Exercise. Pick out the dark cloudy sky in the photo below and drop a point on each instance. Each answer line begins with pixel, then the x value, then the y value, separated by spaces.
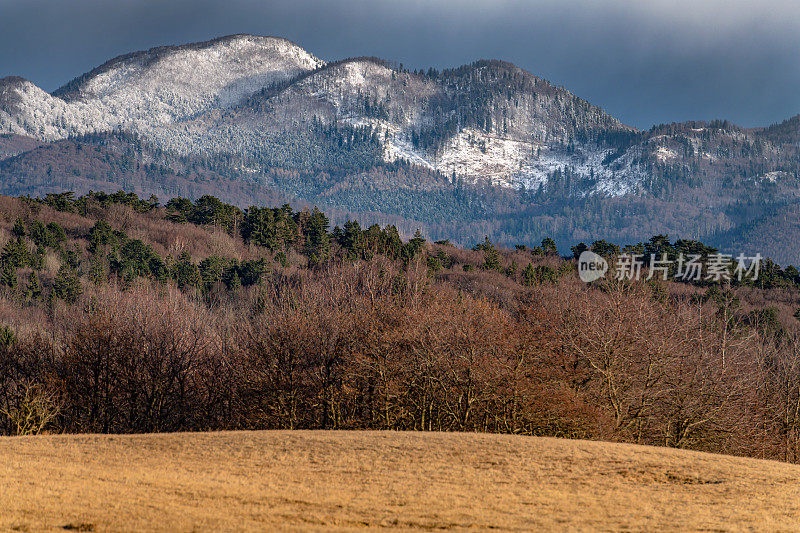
pixel 645 61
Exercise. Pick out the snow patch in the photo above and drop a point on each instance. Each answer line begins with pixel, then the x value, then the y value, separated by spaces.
pixel 664 154
pixel 774 176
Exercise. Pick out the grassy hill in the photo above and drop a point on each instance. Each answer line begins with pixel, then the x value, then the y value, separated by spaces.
pixel 309 480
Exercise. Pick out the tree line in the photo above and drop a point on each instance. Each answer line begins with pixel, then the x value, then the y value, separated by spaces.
pixel 138 322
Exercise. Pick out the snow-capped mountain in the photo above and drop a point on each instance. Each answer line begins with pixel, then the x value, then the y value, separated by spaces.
pixel 486 121
pixel 486 144
pixel 145 90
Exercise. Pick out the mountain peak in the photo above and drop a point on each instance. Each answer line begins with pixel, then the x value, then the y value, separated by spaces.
pixel 220 62
pixel 12 81
pixel 161 85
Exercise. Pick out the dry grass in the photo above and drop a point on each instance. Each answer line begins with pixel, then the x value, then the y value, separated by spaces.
pixel 351 480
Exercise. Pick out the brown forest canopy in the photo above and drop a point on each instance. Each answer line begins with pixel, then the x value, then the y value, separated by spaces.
pixel 119 315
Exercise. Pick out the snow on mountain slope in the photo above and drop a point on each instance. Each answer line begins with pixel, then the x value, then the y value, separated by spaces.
pixel 528 117
pixel 176 82
pixel 144 90
pixel 486 121
pixel 25 109
pixel 354 91
pixel 498 159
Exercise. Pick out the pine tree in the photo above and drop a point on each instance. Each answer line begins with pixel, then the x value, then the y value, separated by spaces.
pixel 511 271
pixel 67 286
pixel 33 289
pixel 529 276
pixel 185 273
pixel 414 246
pixel 7 337
pixel 235 283
pixel 98 271
pixel 491 257
pixel 578 249
pixel 549 246
pixel 15 253
pixel 317 238
pixel 19 229
pixel 39 235
pixel 352 240
pixel 8 275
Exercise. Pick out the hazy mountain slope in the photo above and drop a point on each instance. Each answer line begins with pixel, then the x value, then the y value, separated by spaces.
pixel 11 145
pixel 113 162
pixel 776 235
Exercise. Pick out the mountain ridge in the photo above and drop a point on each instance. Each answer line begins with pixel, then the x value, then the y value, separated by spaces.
pixel 536 158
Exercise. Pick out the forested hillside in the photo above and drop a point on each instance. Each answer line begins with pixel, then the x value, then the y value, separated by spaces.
pixel 120 314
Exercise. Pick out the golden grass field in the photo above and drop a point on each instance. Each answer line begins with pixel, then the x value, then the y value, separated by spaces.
pixel 311 480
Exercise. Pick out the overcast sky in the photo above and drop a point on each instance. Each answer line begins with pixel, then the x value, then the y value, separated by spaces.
pixel 645 61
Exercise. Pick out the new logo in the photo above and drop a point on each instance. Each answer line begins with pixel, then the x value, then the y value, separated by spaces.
pixel 591 266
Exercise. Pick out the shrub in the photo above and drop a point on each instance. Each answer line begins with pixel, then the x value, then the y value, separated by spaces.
pixel 32 412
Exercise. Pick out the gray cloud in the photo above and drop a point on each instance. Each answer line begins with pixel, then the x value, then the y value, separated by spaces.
pixel 645 61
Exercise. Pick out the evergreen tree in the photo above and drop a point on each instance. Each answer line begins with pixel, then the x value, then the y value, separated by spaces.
pixel 391 243
pixel 185 273
pixel 98 270
pixel 491 257
pixel 578 249
pixel 56 234
pixel 8 275
pixel 250 272
pixel 212 269
pixel 549 246
pixel 33 289
pixel 18 230
pixel 67 286
pixel 536 275
pixel 529 275
pixel 71 258
pixel 15 253
pixel 282 260
pixel 7 337
pixel 414 246
pixel 36 259
pixel 102 234
pixel 511 271
pixel 234 283
pixel 39 235
pixel 605 249
pixel 352 240
pixel 317 238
